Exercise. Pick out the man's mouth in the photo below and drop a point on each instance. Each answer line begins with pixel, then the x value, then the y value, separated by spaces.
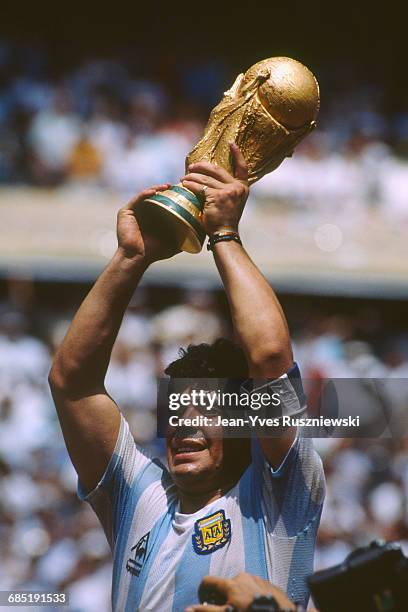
pixel 187 447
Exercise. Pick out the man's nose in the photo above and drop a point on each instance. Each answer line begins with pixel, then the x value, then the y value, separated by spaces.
pixel 190 412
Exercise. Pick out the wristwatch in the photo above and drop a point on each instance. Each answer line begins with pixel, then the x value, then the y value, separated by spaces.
pixel 267 603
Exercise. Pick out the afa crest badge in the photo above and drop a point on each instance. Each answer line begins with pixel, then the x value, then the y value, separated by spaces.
pixel 211 533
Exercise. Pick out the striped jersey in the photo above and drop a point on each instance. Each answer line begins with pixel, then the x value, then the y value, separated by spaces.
pixel 265 525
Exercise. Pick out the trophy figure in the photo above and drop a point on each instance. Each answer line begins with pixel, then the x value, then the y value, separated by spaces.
pixel 269 109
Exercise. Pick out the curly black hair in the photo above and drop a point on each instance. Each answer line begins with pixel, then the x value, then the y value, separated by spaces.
pixel 222 359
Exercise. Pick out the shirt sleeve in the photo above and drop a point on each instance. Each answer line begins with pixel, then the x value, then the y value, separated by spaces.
pixel 129 472
pixel 292 495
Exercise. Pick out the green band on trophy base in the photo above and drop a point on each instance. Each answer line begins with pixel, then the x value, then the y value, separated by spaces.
pixel 184 218
pixel 191 197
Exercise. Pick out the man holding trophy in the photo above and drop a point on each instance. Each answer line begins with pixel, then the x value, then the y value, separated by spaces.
pixel 259 499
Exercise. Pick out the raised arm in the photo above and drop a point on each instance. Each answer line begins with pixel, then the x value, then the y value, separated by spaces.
pixel 89 417
pixel 259 323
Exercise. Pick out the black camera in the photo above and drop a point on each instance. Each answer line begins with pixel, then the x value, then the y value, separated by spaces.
pixel 371 579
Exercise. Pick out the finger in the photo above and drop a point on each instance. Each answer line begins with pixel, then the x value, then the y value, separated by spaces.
pixel 197 188
pixel 259 581
pixel 203 179
pixel 238 161
pixel 216 584
pixel 145 194
pixel 208 169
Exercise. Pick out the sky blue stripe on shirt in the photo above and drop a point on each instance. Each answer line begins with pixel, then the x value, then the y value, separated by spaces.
pixel 191 569
pixel 250 489
pixel 124 524
pixel 293 496
pixel 137 584
pixel 302 563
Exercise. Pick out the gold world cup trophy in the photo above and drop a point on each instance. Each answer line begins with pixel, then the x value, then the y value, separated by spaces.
pixel 267 112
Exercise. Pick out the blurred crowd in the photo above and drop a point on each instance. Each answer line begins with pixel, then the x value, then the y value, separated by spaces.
pixel 122 124
pixel 51 541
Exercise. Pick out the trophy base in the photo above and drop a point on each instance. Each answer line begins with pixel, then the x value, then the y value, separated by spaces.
pixel 177 212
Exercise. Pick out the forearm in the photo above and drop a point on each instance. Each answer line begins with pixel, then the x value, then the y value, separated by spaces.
pixel 258 319
pixel 82 360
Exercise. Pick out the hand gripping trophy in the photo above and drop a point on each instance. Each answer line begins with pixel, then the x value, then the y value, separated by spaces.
pixel 267 112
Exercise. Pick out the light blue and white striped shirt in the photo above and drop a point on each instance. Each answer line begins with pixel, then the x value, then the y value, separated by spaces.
pixel 265 525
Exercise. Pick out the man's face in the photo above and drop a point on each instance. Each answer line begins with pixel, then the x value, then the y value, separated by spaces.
pixel 199 457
